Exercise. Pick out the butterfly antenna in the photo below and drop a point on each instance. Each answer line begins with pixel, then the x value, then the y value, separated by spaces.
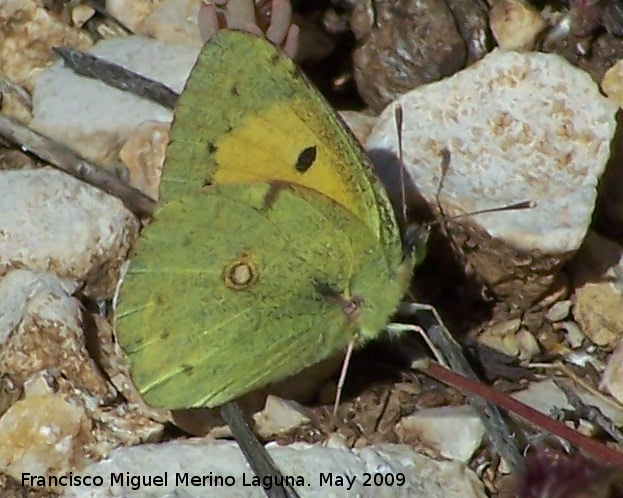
pixel 342 379
pixel 446 157
pixel 398 117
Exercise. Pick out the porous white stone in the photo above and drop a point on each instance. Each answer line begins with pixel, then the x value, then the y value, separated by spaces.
pixel 175 21
pixel 424 477
pixel 612 378
pixel 131 14
pixel 597 298
pixel 455 432
pixel 612 83
pixel 96 120
pixel 54 223
pixel 519 126
pixel 547 397
pixel 29 31
pixel 40 328
pixel 559 311
pixel 68 411
pixel 279 416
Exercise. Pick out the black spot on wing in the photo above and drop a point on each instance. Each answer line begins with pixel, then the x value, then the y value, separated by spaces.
pixel 211 147
pixel 306 159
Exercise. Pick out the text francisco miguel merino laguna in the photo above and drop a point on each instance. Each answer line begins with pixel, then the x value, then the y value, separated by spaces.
pixel 135 482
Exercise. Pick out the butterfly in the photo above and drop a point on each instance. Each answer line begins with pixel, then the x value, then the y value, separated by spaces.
pixel 274 245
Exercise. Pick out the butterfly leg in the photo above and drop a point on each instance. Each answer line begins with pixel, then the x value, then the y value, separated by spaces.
pixel 343 372
pixel 400 328
pixel 443 344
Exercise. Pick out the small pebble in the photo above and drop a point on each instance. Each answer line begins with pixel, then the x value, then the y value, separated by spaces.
pixel 573 334
pixel 515 24
pixel 528 345
pixel 559 311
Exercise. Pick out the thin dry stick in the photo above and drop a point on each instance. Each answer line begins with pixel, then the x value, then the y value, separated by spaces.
pixel 260 461
pixel 398 118
pixel 68 161
pixel 117 76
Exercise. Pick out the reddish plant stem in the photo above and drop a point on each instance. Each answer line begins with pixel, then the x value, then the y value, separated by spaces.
pixel 506 402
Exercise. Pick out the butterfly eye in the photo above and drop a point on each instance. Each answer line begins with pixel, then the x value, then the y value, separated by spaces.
pixel 350 306
pixel 241 274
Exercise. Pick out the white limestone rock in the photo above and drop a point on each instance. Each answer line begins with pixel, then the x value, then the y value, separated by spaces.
pixel 454 432
pixel 132 14
pixel 546 397
pixel 612 83
pixel 559 311
pixel 96 120
pixel 175 21
pixel 57 409
pixel 424 477
pixel 29 31
pixel 597 274
pixel 53 223
pixel 359 123
pixel 612 377
pixel 143 154
pixel 519 126
pixel 279 416
pixel 41 329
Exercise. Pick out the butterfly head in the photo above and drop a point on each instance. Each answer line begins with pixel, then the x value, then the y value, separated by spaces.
pixel 351 306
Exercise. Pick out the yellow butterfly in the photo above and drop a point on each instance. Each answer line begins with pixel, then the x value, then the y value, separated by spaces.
pixel 274 245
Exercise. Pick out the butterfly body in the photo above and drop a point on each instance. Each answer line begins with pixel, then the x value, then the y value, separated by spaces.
pixel 266 200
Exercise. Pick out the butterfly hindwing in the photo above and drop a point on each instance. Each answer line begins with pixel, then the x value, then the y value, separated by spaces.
pixel 194 340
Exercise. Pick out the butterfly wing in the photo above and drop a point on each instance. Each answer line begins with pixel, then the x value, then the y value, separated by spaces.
pixel 194 339
pixel 264 197
pixel 248 114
